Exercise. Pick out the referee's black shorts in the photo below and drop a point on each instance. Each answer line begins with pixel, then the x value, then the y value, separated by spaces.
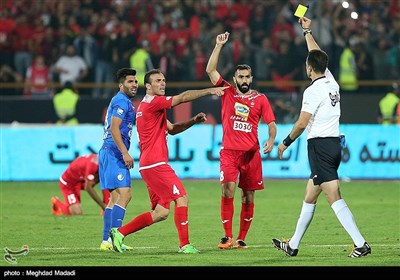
pixel 324 156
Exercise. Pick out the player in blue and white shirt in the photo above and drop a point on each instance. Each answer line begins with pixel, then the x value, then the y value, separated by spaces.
pixel 320 113
pixel 114 158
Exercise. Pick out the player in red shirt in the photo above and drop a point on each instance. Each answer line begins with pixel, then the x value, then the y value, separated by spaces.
pixel 163 184
pixel 81 174
pixel 240 157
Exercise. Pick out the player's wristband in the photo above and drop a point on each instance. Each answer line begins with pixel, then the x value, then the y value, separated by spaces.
pixel 307 31
pixel 287 141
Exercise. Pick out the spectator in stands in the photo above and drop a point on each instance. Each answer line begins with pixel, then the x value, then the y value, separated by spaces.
pixel 264 58
pixel 365 67
pixel 37 80
pixel 348 77
pixel 388 111
pixel 71 67
pixel 286 67
pixel 65 103
pixel 86 47
pixel 259 23
pixel 206 19
pixel 9 75
pixel 126 44
pixel 7 26
pixel 141 61
pixel 22 44
pixel 106 61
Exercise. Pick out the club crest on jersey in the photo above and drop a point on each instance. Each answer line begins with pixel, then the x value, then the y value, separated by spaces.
pixel 120 111
pixel 335 98
pixel 120 177
pixel 242 110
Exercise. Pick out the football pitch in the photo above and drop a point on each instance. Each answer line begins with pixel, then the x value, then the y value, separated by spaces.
pixel 26 220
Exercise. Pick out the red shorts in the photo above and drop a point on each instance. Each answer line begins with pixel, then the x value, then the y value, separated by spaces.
pixel 71 194
pixel 163 185
pixel 243 165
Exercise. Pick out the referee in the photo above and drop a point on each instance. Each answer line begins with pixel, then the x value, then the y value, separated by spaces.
pixel 320 113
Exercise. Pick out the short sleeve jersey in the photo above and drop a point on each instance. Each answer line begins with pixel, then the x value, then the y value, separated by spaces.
pixel 322 100
pixel 151 125
pixel 121 107
pixel 241 115
pixel 83 168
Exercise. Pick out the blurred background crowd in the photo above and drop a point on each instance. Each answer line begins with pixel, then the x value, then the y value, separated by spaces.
pixel 46 42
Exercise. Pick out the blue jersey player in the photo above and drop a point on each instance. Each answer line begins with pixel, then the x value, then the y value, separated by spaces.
pixel 114 158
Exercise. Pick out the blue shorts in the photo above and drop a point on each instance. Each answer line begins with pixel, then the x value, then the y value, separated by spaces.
pixel 113 173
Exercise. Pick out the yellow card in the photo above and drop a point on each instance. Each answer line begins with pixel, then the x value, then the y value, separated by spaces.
pixel 300 11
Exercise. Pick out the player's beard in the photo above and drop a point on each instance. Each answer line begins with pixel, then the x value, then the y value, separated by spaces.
pixel 244 88
pixel 128 92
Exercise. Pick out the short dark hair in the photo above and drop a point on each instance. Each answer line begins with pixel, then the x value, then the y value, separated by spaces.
pixel 123 72
pixel 149 73
pixel 318 60
pixel 68 84
pixel 243 67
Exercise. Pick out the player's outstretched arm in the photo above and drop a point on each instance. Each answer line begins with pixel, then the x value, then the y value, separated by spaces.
pixel 190 95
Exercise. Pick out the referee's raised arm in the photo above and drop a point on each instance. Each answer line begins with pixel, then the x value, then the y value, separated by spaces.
pixel 306 25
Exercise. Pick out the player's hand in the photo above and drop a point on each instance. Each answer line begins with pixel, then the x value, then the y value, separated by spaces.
pixel 128 160
pixel 268 146
pixel 219 91
pixel 222 38
pixel 281 149
pixel 200 117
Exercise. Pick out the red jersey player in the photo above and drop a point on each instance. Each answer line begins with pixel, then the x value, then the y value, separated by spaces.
pixel 240 157
pixel 81 174
pixel 163 184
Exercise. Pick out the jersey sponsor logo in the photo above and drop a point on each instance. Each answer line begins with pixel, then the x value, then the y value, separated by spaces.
pixel 225 221
pixel 120 111
pixel 120 177
pixel 242 110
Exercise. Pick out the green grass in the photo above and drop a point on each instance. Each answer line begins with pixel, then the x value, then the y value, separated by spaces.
pixel 26 219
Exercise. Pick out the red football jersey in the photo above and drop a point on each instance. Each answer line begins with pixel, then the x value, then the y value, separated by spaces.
pixel 151 125
pixel 241 115
pixel 82 168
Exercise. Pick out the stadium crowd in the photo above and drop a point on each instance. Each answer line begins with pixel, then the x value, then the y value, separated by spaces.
pixel 174 35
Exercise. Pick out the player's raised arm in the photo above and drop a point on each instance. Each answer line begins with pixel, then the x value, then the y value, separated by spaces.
pixel 211 68
pixel 306 25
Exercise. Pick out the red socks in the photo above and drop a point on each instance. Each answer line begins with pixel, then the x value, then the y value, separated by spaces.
pixel 227 210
